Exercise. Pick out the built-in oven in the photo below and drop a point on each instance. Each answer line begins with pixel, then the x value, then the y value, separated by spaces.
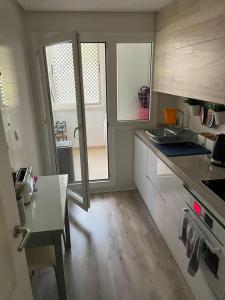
pixel 209 280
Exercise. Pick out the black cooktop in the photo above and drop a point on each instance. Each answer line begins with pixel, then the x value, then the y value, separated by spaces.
pixel 217 186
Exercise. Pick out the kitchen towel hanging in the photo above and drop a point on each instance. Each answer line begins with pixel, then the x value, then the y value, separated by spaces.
pixel 196 253
pixel 193 240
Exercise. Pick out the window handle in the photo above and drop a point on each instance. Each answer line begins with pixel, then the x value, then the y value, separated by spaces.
pixel 75 130
pixel 26 234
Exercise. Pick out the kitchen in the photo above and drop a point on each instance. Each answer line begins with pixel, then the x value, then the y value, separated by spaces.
pixel 134 235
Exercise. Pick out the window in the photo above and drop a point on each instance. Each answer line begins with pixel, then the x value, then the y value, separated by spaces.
pixel 133 81
pixel 61 76
pixel 3 97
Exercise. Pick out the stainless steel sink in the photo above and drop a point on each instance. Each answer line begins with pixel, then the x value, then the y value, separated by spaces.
pixel 171 135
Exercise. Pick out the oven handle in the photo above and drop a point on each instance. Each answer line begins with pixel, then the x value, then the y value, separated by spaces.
pixel 214 250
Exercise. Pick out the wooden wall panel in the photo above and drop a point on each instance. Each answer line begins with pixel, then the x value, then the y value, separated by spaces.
pixel 166 16
pixel 199 24
pixel 165 39
pixel 190 50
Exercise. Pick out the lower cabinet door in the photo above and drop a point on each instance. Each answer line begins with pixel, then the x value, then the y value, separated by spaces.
pixel 150 196
pixel 171 229
pixel 155 204
pixel 160 213
pixel 172 218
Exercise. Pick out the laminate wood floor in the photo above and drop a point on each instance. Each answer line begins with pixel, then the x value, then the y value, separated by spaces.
pixel 117 254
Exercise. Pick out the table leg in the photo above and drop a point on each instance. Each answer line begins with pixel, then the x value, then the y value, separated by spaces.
pixel 59 269
pixel 67 227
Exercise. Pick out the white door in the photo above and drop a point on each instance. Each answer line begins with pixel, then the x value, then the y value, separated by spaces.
pixel 14 278
pixel 78 192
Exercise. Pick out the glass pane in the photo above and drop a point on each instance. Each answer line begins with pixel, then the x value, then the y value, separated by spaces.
pixel 62 73
pixel 133 81
pixel 94 75
pixel 62 77
pixel 91 75
pixel 63 98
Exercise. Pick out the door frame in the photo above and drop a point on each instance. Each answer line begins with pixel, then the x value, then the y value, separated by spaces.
pixel 44 113
pixel 111 97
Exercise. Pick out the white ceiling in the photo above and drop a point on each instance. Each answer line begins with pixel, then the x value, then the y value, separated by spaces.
pixel 94 5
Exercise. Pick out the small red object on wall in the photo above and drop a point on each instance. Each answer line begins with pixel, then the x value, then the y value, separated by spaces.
pixel 143 113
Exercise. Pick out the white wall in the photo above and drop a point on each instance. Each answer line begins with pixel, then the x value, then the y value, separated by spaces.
pixel 24 151
pixel 93 22
pixel 104 27
pixel 192 122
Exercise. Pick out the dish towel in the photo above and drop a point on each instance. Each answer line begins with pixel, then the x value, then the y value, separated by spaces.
pixel 195 241
pixel 190 239
pixel 183 236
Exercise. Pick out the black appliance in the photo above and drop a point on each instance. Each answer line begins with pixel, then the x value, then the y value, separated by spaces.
pixel 217 186
pixel 218 155
pixel 65 158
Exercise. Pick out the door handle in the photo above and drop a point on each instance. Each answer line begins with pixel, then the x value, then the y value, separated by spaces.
pixel 75 130
pixel 26 234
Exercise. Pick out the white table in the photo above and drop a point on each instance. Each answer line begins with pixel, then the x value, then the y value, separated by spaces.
pixel 47 218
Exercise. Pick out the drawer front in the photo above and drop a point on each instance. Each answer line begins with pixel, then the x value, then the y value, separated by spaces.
pixel 155 204
pixel 166 182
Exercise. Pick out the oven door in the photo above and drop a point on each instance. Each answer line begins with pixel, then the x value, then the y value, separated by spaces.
pixel 208 283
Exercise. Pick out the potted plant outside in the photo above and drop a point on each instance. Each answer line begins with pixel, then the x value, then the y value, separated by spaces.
pixel 194 106
pixel 219 113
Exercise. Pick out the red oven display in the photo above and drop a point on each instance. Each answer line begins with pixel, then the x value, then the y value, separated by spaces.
pixel 197 208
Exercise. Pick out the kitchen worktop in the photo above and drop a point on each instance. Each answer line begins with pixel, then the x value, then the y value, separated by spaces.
pixel 192 170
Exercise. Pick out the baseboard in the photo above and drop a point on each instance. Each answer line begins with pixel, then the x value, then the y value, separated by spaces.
pixel 97 190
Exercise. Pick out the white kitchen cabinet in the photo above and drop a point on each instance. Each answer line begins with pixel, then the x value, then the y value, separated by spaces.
pixel 165 196
pixel 174 195
pixel 170 187
pixel 149 193
pixel 150 197
pixel 162 191
pixel 166 182
pixel 155 204
pixel 159 212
